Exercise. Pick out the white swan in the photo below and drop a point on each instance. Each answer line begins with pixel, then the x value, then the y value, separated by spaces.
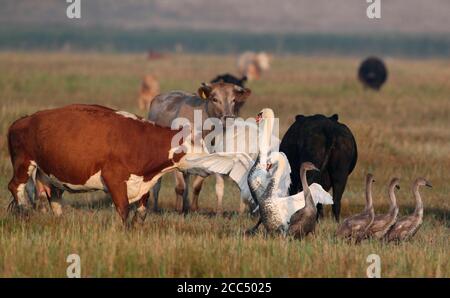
pixel 266 180
pixel 237 164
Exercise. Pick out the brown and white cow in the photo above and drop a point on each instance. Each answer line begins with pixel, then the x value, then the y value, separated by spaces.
pixel 80 148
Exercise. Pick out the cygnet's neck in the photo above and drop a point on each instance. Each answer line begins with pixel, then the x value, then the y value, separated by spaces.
pixel 419 204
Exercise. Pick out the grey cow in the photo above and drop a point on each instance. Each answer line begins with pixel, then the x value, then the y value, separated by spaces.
pixel 216 100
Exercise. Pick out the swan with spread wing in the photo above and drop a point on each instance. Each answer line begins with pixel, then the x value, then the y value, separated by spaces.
pixel 281 213
pixel 267 179
pixel 238 154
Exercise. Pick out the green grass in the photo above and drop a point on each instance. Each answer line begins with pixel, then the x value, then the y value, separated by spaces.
pixel 401 131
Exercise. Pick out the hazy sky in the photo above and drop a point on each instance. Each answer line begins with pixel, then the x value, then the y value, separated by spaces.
pixel 334 16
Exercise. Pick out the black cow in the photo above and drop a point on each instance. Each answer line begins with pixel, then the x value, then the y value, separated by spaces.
pixel 330 145
pixel 372 73
pixel 228 78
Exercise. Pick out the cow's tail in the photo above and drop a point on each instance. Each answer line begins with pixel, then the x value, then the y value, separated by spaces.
pixel 12 206
pixel 329 148
pixel 9 137
pixel 12 138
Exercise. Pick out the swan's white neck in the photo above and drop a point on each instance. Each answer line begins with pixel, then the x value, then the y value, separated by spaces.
pixel 419 205
pixel 265 138
pixel 281 178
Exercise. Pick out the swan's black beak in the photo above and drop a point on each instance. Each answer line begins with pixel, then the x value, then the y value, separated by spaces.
pixel 258 118
pixel 428 184
pixel 397 186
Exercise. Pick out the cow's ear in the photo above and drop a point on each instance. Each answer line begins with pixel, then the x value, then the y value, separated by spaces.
pixel 241 93
pixel 334 117
pixel 299 117
pixel 204 91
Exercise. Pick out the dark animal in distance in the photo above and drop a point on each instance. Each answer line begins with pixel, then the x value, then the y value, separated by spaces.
pixel 228 78
pixel 372 73
pixel 328 144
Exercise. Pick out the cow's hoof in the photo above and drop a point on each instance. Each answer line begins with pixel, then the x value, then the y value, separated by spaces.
pixel 42 208
pixel 250 232
pixel 22 212
pixel 138 218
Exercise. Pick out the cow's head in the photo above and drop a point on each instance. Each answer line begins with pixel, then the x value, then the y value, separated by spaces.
pixel 223 100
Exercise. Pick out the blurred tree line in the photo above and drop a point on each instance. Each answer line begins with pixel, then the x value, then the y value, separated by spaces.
pixel 103 39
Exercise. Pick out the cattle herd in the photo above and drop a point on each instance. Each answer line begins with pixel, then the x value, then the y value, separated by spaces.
pixel 285 182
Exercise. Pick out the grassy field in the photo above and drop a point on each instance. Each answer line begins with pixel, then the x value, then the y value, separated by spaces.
pixel 401 131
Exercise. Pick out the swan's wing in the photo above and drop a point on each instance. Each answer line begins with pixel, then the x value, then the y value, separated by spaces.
pixel 289 205
pixel 358 223
pixel 296 202
pixel 285 176
pixel 320 195
pixel 403 223
pixel 284 186
pixel 235 165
